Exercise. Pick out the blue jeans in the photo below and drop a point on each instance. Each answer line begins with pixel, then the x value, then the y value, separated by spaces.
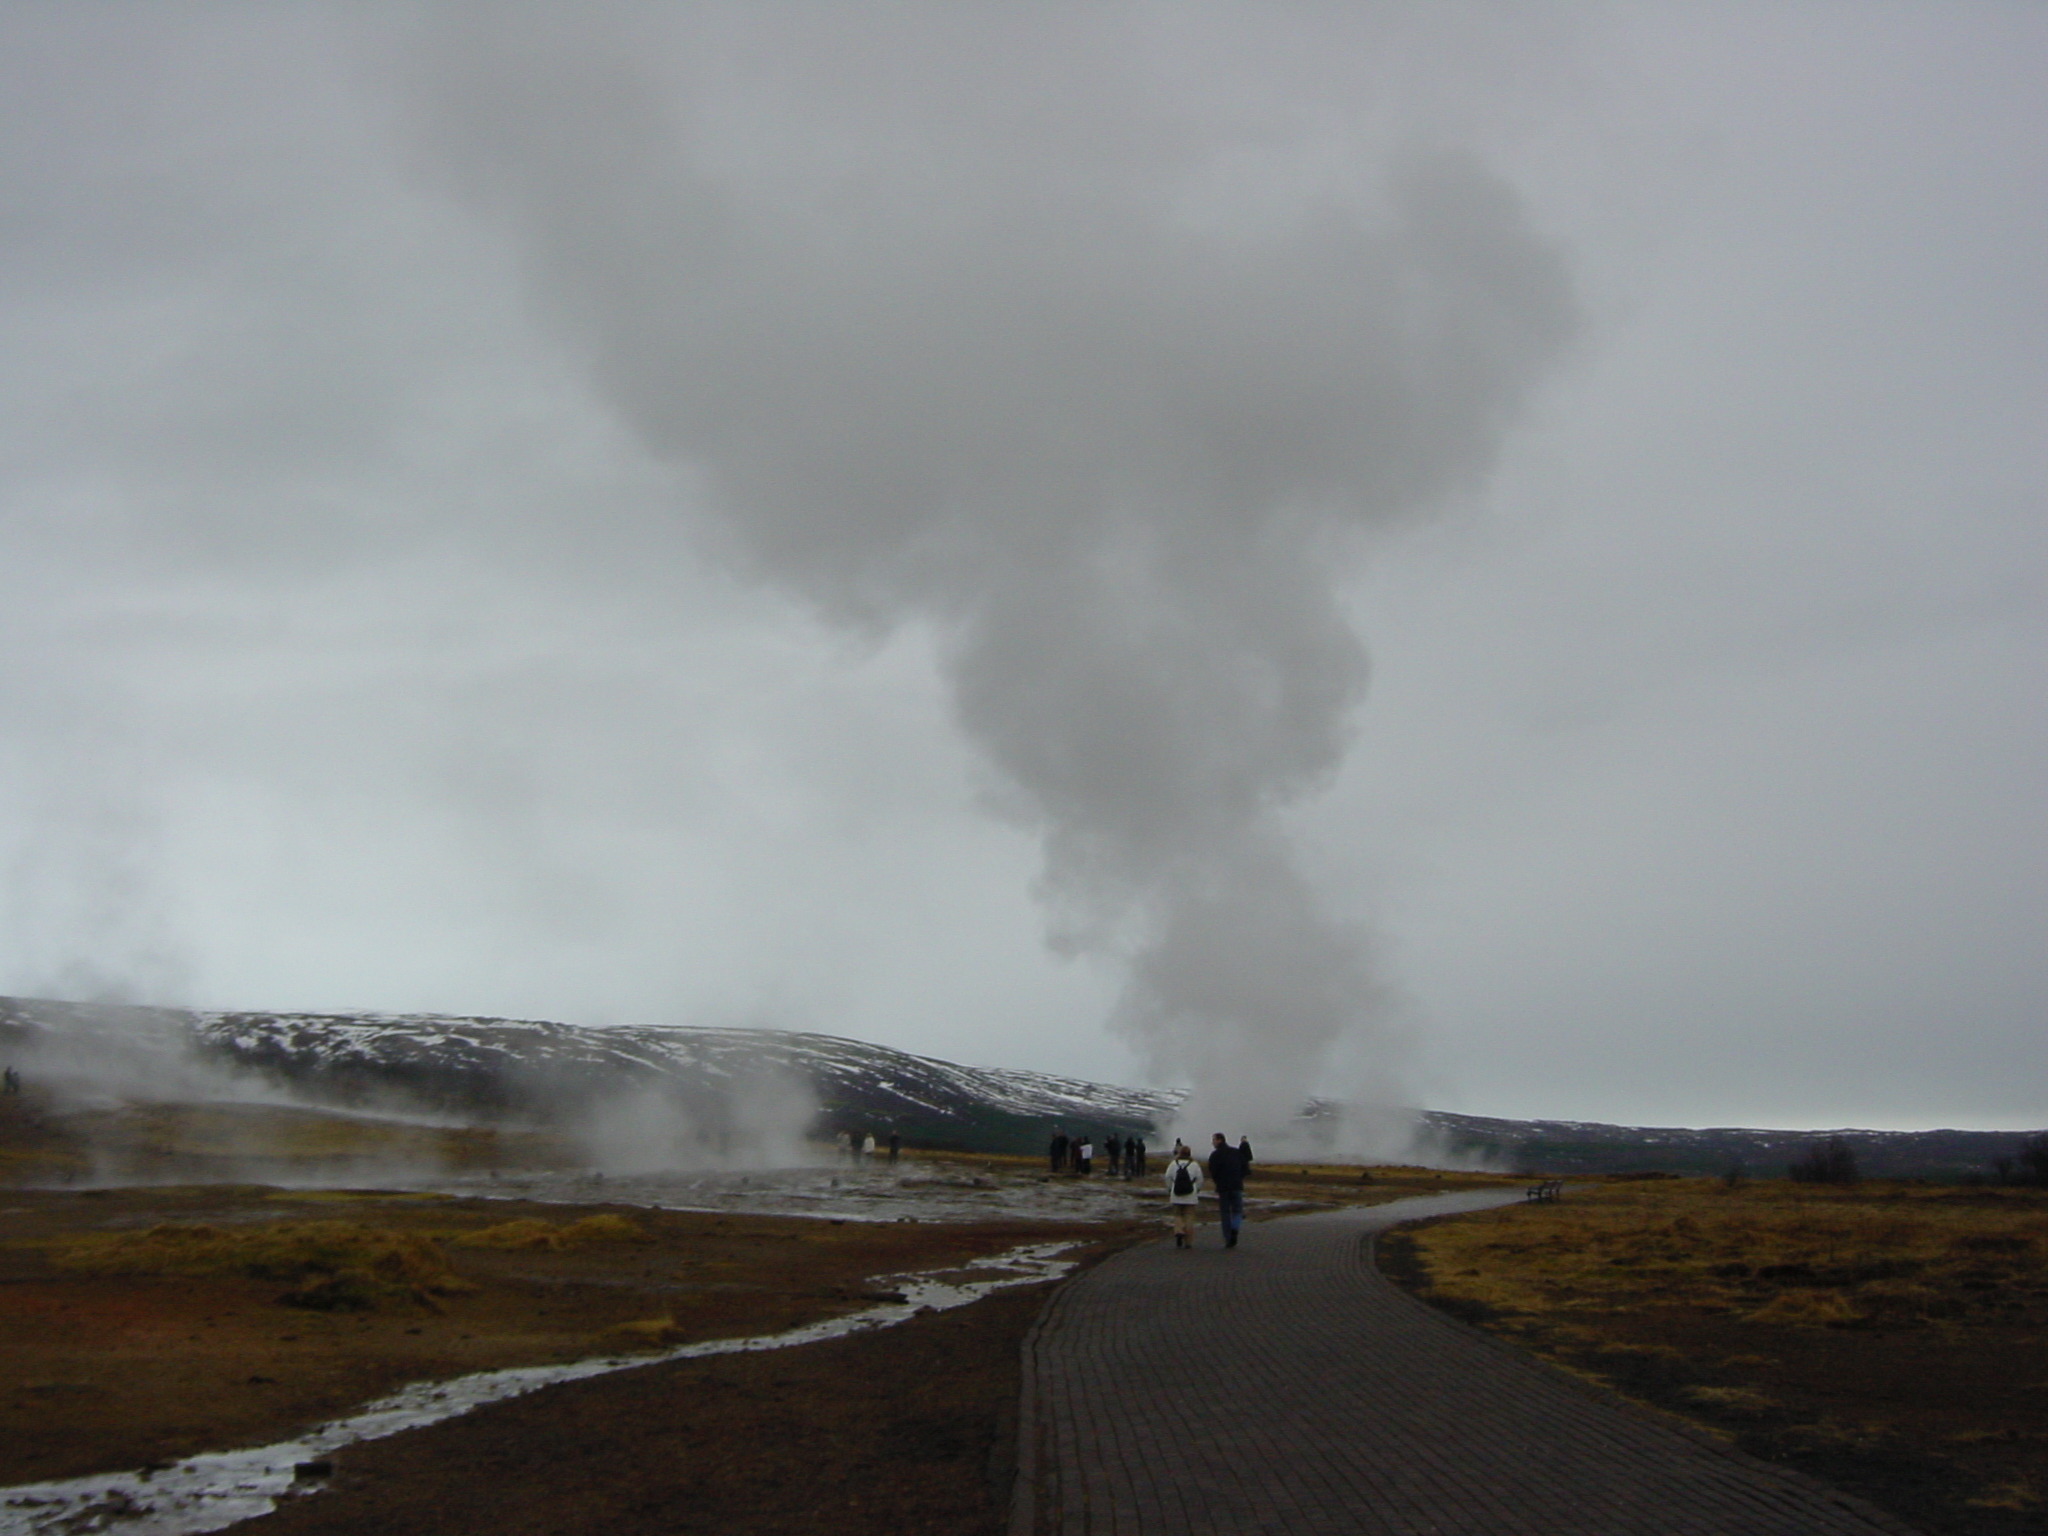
pixel 1230 1212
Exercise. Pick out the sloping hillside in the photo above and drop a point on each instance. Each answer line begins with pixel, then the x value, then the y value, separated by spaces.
pixel 1572 1146
pixel 550 1073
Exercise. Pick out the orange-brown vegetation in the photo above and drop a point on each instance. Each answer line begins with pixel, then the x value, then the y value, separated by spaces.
pixel 1891 1338
pixel 45 1141
pixel 141 1325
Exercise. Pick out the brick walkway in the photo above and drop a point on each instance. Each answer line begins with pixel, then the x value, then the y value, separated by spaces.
pixel 1283 1386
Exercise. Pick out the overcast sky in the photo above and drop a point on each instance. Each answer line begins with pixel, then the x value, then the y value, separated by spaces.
pixel 1493 557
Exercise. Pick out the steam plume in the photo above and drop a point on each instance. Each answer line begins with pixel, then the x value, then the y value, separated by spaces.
pixel 1029 338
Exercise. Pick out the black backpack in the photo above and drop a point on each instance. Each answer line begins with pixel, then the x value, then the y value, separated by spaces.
pixel 1182 1183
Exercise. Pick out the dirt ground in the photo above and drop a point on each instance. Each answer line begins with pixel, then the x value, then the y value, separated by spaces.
pixel 141 1325
pixel 113 1359
pixel 911 1429
pixel 1937 1412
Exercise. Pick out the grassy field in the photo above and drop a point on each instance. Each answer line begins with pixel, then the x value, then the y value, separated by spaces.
pixel 142 1325
pixel 44 1142
pixel 1890 1338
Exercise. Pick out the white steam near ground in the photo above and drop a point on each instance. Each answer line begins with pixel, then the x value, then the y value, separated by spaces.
pixel 759 1120
pixel 92 1061
pixel 83 1063
pixel 145 1106
pixel 1005 354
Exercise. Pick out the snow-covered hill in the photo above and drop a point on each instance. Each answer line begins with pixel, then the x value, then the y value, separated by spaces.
pixel 549 1070
pixel 716 1078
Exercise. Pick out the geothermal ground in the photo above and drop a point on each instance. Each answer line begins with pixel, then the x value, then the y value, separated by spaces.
pixel 144 1325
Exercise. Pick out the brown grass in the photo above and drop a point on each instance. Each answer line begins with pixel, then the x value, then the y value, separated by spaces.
pixel 334 1264
pixel 139 1325
pixel 43 1141
pixel 1892 1338
pixel 555 1237
pixel 1892 1256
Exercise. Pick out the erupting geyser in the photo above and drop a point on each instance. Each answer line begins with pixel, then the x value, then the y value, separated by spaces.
pixel 1101 393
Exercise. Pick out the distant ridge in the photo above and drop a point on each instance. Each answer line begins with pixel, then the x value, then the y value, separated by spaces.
pixel 549 1071
pixel 542 1070
pixel 1570 1146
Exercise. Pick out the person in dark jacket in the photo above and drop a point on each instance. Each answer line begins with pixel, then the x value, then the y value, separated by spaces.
pixel 1112 1155
pixel 1244 1154
pixel 1057 1153
pixel 1226 1174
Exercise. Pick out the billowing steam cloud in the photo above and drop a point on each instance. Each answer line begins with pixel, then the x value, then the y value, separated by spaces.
pixel 1019 329
pixel 758 1120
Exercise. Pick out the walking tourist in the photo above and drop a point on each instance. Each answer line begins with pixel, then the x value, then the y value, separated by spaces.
pixel 1183 1195
pixel 1227 1174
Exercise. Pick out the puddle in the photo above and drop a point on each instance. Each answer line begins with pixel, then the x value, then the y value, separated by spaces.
pixel 870 1192
pixel 209 1493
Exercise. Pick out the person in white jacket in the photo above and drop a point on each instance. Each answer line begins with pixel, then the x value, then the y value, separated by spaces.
pixel 1183 1194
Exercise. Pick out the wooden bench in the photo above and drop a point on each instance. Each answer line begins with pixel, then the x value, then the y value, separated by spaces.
pixel 1549 1189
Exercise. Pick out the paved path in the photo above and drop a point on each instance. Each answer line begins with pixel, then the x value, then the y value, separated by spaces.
pixel 1283 1386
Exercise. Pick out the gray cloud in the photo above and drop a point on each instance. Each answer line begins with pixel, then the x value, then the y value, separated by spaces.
pixel 689 515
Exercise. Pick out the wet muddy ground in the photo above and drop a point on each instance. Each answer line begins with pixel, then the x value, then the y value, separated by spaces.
pixel 145 1322
pixel 908 1430
pixel 110 1367
pixel 950 1188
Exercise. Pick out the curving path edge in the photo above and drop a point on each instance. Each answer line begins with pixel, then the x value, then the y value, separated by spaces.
pixel 1286 1386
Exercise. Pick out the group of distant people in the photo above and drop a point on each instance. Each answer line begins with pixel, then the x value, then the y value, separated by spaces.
pixel 1227 1169
pixel 859 1146
pixel 1122 1157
